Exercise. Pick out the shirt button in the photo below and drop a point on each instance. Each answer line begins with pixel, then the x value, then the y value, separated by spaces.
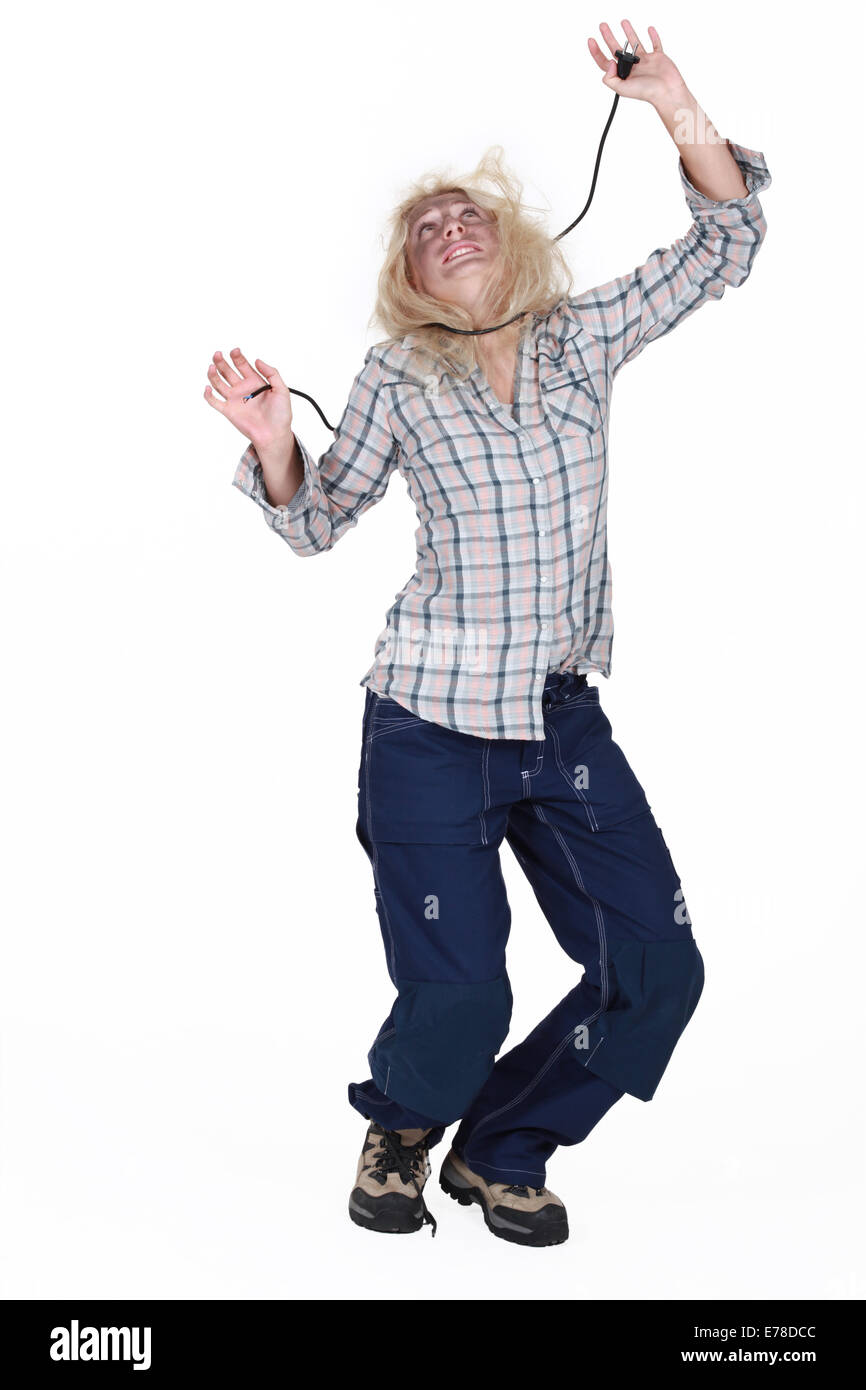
pixel 543 578
pixel 542 532
pixel 536 481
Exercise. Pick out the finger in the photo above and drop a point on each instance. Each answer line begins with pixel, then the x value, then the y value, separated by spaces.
pixel 217 382
pixel 631 33
pixel 214 400
pixel 610 38
pixel 244 367
pixel 655 40
pixel 270 374
pixel 224 367
pixel 598 55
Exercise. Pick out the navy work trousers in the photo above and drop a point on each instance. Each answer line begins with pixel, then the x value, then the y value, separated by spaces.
pixel 434 805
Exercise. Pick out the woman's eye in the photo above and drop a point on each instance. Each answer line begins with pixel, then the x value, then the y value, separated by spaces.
pixel 424 225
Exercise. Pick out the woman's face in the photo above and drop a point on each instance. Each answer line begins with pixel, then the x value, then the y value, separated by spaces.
pixel 452 246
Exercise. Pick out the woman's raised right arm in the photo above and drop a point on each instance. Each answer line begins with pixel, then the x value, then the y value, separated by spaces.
pixel 308 502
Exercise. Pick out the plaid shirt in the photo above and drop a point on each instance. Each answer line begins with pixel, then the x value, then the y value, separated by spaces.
pixel 513 579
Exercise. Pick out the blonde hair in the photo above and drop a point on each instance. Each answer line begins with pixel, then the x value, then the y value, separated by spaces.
pixel 532 272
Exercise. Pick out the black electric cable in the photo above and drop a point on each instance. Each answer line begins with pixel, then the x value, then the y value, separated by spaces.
pixel 474 332
pixel 624 64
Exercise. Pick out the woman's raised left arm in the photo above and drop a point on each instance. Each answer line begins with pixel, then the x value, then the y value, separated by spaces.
pixel 721 182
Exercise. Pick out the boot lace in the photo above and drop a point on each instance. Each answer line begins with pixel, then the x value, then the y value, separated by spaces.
pixel 407 1160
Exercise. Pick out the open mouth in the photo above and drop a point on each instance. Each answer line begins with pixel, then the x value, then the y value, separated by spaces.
pixel 463 248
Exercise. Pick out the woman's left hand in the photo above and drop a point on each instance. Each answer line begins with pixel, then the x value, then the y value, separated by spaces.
pixel 655 78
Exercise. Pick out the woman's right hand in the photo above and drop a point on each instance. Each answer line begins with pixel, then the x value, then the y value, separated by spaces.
pixel 266 421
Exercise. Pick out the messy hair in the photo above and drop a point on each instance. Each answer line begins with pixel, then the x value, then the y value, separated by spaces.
pixel 532 272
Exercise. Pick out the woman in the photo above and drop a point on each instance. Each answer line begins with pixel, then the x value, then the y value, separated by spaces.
pixel 479 724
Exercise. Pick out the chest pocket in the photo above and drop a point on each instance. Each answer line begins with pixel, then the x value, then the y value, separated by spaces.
pixel 570 402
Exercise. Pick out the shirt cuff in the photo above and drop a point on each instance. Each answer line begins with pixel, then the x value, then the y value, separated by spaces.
pixel 753 167
pixel 249 479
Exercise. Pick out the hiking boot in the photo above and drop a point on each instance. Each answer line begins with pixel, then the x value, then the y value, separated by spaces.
pixel 524 1215
pixel 392 1170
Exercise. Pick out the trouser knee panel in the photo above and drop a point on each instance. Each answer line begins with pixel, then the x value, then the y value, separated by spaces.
pixel 442 1045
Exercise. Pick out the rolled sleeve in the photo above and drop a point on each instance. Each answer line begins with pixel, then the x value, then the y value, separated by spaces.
pixel 716 252
pixel 249 479
pixel 756 176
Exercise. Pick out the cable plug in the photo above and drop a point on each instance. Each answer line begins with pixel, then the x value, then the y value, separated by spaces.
pixel 624 63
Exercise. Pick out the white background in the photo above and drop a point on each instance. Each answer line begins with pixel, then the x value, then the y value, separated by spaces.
pixel 192 970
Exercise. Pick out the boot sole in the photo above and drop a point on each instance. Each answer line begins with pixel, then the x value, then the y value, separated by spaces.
pixel 465 1195
pixel 387 1220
